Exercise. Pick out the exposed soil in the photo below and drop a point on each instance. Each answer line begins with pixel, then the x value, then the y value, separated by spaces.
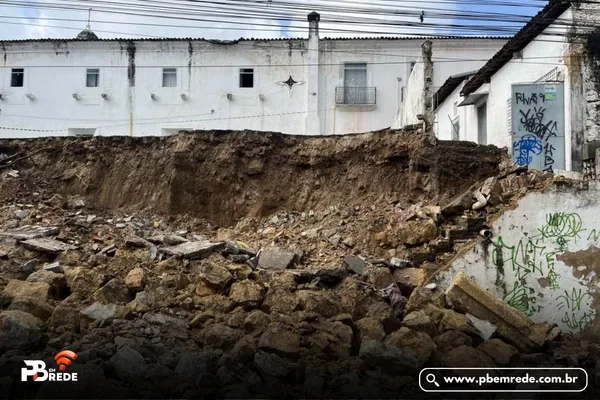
pixel 223 176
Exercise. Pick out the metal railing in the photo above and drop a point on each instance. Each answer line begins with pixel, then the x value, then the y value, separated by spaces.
pixel 356 95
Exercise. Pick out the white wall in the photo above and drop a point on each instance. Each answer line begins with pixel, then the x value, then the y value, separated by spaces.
pixel 207 72
pixel 414 104
pixel 543 259
pixel 446 112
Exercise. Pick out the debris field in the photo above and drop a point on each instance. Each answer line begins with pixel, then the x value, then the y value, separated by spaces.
pixel 253 265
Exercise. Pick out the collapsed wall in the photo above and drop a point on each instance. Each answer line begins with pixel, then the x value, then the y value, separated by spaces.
pixel 542 257
pixel 223 176
pixel 238 265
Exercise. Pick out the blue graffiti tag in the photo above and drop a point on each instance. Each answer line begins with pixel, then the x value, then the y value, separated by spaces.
pixel 528 146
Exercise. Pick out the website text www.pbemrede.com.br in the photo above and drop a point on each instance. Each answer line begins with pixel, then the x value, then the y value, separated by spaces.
pixel 524 380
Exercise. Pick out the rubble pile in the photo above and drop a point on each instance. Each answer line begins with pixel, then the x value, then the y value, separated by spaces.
pixel 332 301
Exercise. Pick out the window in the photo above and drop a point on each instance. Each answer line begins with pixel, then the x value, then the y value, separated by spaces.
pixel 17 77
pixel 246 77
pixel 412 66
pixel 169 77
pixel 355 85
pixel 92 78
pixel 355 75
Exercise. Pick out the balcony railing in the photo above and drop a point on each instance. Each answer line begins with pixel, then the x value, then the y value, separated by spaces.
pixel 356 95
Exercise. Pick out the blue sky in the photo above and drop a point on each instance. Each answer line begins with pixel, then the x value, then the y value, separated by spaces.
pixel 25 23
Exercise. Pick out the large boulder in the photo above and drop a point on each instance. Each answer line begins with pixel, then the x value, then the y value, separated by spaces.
pixel 410 277
pixel 324 303
pixel 65 315
pixel 34 306
pixel 57 282
pixel 219 336
pixel 467 357
pixel 83 281
pixel 278 339
pixel 503 354
pixel 102 313
pixel 129 364
pixel 277 258
pixel 194 367
pixel 247 294
pixel 458 322
pixel 114 292
pixel 19 331
pixel 280 301
pixel 215 276
pixel 423 296
pixel 450 340
pixel 17 288
pixel 417 232
pixel 271 364
pixel 218 304
pixel 419 344
pixel 135 280
pixel 387 356
pixel 370 327
pixel 420 321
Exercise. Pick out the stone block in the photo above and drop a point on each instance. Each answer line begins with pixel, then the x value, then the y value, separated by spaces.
pixel 512 325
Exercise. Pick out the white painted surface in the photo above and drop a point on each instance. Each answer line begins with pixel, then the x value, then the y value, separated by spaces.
pixel 447 113
pixel 543 227
pixel 539 57
pixel 414 103
pixel 206 73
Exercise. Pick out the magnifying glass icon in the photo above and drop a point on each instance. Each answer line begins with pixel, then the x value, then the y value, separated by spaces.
pixel 430 378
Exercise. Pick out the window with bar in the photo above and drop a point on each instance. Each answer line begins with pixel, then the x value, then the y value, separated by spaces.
pixel 17 77
pixel 246 77
pixel 169 78
pixel 92 77
pixel 355 90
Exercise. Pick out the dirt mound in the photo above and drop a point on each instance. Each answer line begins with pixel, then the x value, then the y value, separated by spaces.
pixel 223 176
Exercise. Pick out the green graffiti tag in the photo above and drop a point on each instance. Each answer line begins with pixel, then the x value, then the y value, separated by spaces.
pixel 533 259
pixel 562 227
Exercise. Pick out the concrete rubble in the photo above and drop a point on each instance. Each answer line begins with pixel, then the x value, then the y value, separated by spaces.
pixel 329 302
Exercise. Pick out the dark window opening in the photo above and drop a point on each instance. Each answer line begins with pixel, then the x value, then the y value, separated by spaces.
pixel 17 77
pixel 246 78
pixel 92 77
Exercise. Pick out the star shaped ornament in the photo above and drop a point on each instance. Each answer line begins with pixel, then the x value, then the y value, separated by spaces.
pixel 290 83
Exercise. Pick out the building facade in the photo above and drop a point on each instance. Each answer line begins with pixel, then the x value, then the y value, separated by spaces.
pixel 537 96
pixel 314 86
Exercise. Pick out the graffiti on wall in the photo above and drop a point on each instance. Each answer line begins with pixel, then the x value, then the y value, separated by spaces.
pixel 530 264
pixel 538 127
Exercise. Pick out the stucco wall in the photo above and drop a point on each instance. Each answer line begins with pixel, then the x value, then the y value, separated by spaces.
pixel 207 72
pixel 414 103
pixel 544 258
pixel 445 113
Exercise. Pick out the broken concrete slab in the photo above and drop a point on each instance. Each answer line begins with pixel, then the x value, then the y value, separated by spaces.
pixel 29 232
pixel 273 257
pixel 53 267
pixel 46 245
pixel 192 250
pixel 512 325
pixel 356 265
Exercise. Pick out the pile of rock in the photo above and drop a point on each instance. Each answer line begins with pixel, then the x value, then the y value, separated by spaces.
pixel 221 319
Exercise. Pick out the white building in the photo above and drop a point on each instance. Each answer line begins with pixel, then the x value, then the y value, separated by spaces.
pixel 92 86
pixel 537 96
